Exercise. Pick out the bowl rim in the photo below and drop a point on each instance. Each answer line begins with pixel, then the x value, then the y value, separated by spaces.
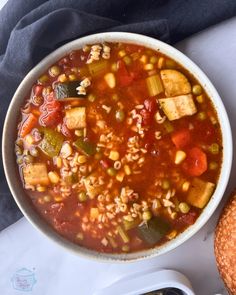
pixel 26 84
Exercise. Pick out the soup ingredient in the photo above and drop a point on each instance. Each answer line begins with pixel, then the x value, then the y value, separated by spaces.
pixel 197 90
pixel 35 174
pixel 175 83
pixel 110 160
pixel 51 143
pixel 178 106
pixel 153 230
pixel 76 118
pixel 28 125
pixel 196 162
pixel 67 91
pixel 154 85
pixel 200 192
pixel 86 147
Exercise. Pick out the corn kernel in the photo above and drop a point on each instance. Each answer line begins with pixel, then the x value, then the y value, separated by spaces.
pixel 29 139
pixel 110 80
pixel 94 212
pixel 148 67
pixel 114 155
pixel 41 188
pixel 172 235
pixel 127 170
pixel 47 198
pixel 62 78
pixel 82 159
pixel 179 157
pixel 120 176
pixel 59 162
pixel 121 53
pixel 185 186
pixel 143 59
pixel 200 98
pixel 72 77
pixel 53 177
pixel 161 62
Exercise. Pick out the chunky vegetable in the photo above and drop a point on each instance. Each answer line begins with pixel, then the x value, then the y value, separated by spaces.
pixel 154 85
pixel 175 83
pixel 178 106
pixel 181 138
pixel 153 230
pixel 51 143
pixel 200 192
pixel 67 91
pixel 35 174
pixel 76 118
pixel 28 125
pixel 86 147
pixel 196 162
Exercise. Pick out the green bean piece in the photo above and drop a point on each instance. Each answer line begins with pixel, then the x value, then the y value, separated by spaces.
pixel 197 90
pixel 111 171
pixel 120 115
pixel 82 196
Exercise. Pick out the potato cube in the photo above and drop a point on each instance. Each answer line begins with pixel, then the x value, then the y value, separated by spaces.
pixel 200 192
pixel 76 118
pixel 35 174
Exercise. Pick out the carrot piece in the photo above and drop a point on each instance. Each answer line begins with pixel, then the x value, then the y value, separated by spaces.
pixel 196 162
pixel 181 138
pixel 28 125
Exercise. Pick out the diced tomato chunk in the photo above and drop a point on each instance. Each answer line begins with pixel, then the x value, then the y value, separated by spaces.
pixel 50 111
pixel 123 76
pixel 181 138
pixel 38 90
pixel 28 125
pixel 196 162
pixel 150 105
pixel 187 219
pixel 131 48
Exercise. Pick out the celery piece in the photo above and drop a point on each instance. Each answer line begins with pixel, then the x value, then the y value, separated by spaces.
pixel 51 143
pixel 124 236
pixel 98 67
pixel 85 147
pixel 154 85
pixel 130 224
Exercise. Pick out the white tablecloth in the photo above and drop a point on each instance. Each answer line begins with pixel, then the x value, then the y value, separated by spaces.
pixel 51 270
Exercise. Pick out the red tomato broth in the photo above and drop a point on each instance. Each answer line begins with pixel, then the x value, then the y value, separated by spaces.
pixel 156 180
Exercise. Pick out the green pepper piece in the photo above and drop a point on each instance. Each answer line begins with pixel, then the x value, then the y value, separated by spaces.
pixel 153 230
pixel 85 147
pixel 67 90
pixel 51 143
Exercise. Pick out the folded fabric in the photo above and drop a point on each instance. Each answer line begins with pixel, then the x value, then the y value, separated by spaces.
pixel 29 30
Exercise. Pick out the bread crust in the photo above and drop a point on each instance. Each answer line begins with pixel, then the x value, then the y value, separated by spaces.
pixel 225 244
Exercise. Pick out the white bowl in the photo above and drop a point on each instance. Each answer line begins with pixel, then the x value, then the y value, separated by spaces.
pixel 9 135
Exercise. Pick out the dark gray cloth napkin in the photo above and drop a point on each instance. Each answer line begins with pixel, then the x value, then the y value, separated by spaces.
pixel 31 29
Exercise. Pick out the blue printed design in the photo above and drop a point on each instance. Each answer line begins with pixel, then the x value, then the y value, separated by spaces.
pixel 23 280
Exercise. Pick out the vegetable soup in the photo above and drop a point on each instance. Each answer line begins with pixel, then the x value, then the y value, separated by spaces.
pixel 119 147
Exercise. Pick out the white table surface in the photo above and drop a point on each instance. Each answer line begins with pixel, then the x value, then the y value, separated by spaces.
pixel 59 272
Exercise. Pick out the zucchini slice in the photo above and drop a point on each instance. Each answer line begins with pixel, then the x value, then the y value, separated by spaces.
pixel 67 91
pixel 153 230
